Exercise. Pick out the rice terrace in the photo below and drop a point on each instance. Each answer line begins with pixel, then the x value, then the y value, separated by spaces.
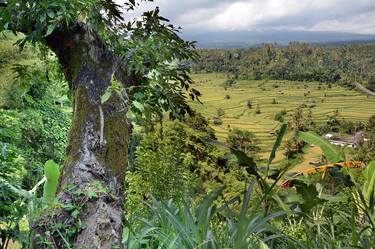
pixel 273 96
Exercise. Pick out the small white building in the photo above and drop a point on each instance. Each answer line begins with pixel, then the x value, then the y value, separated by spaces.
pixel 328 136
pixel 351 142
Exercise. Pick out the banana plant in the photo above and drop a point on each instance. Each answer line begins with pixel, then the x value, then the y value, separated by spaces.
pixel 331 151
pixel 250 164
pixel 262 177
pixel 369 185
pixel 364 196
pixel 335 156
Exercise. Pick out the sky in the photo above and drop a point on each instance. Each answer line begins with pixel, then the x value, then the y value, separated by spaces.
pixel 353 16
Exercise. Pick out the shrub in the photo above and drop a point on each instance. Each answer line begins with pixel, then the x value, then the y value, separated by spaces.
pixel 217 121
pixel 220 112
pixel 11 172
pixel 198 122
pixel 44 137
pixel 229 83
pixel 249 104
pixel 280 116
pixel 160 167
pixel 257 109
pixel 173 161
pixel 293 147
pixel 243 140
pixel 198 226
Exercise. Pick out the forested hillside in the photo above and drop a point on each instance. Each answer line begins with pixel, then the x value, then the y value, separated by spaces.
pixel 298 61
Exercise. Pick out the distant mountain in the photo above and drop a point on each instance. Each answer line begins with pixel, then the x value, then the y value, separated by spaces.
pixel 241 39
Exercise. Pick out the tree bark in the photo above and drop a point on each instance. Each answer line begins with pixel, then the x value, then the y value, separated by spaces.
pixel 91 186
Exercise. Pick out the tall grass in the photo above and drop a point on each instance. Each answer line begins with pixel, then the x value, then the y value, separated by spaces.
pixel 204 226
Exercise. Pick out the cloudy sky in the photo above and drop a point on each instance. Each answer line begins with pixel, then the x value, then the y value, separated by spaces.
pixel 356 16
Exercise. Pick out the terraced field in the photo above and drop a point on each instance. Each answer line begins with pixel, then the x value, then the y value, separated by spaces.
pixel 324 101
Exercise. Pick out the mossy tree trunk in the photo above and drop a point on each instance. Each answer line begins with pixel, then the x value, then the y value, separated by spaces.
pixel 91 186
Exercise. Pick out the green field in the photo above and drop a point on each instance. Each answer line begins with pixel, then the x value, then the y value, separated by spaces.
pixel 352 105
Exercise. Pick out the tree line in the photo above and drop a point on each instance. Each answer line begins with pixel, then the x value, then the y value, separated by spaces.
pixel 297 61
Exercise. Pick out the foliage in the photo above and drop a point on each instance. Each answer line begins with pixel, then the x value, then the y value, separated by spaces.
pixel 27 204
pixel 161 167
pixel 229 83
pixel 298 121
pixel 149 47
pixel 257 109
pixel 200 123
pixel 220 112
pixel 43 136
pixel 34 129
pixel 366 149
pixel 280 116
pixel 309 194
pixel 249 104
pixel 52 175
pixel 332 124
pixel 293 147
pixel 297 61
pixel 217 121
pixel 331 151
pixel 186 227
pixel 11 170
pixel 170 162
pixel 43 81
pixel 178 159
pixel 243 140
pixel 369 186
pixel 267 192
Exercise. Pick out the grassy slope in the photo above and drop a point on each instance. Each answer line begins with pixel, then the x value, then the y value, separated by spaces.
pixel 10 54
pixel 351 104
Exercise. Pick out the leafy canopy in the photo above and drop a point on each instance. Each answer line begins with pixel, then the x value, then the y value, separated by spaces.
pixel 149 47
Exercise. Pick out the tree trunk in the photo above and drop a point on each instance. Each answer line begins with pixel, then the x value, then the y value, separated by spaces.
pixel 91 186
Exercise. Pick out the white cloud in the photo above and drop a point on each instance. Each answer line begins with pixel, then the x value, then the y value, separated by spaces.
pixel 315 15
pixel 363 23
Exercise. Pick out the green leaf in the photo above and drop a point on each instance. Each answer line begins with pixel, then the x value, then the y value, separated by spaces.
pixel 42 17
pixel 369 184
pixel 75 213
pixel 91 194
pixel 50 29
pixel 245 161
pixel 331 151
pixel 16 190
pixel 263 245
pixel 52 173
pixel 309 195
pixel 51 14
pixel 105 97
pixel 139 106
pixel 277 144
